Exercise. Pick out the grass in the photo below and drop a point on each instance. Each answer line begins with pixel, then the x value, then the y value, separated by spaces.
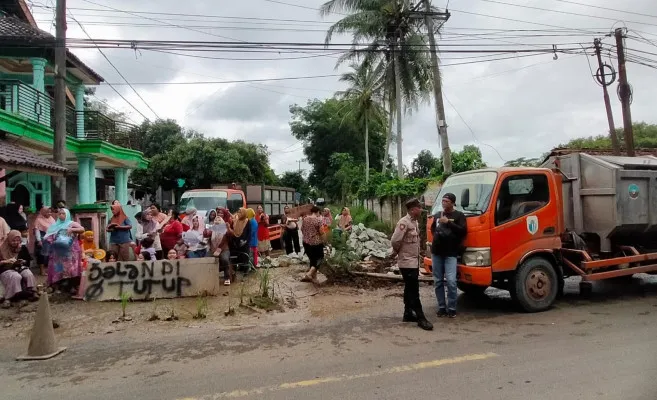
pixel 125 297
pixel 201 307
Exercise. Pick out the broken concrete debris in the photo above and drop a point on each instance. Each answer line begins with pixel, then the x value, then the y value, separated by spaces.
pixel 369 243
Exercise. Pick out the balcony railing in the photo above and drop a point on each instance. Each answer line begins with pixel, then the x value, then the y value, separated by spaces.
pixel 22 99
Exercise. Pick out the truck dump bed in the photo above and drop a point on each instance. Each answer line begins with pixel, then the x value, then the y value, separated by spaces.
pixel 613 197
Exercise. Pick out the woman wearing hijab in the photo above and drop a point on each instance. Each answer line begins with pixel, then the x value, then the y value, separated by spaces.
pixel 171 232
pixel 253 241
pixel 194 240
pixel 190 213
pixel 264 245
pixel 120 233
pixel 345 221
pixel 240 236
pixel 64 253
pixel 41 225
pixel 14 218
pixel 4 229
pixel 15 276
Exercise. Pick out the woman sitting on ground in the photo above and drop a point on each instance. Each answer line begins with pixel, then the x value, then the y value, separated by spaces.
pixel 15 276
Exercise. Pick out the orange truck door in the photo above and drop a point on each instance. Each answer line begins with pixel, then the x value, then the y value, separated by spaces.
pixel 525 217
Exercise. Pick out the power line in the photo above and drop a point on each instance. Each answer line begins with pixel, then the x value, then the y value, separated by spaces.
pixel 607 8
pixel 472 131
pixel 121 75
pixel 563 12
pixel 182 27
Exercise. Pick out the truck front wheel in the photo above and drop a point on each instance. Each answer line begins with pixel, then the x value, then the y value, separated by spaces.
pixel 536 285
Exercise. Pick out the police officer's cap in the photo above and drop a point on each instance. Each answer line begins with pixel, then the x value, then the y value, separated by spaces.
pixel 412 203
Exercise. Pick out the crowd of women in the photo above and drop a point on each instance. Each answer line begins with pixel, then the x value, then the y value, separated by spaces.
pixel 237 240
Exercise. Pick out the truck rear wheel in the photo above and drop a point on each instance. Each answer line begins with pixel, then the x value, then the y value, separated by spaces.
pixel 472 290
pixel 536 285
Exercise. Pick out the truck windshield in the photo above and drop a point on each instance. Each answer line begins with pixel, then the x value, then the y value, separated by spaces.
pixel 477 186
pixel 203 201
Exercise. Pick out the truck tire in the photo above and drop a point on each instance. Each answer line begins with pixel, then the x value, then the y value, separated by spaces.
pixel 471 290
pixel 536 285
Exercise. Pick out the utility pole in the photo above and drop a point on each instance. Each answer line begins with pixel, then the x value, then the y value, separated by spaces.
pixel 441 122
pixel 59 146
pixel 299 166
pixel 625 93
pixel 602 79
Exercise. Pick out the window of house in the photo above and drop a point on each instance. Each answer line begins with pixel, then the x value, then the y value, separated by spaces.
pixel 521 195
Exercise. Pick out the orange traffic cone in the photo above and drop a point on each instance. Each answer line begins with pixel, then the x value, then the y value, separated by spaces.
pixel 42 340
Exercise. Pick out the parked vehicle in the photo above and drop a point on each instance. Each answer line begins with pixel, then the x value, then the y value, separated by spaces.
pixel 530 228
pixel 231 196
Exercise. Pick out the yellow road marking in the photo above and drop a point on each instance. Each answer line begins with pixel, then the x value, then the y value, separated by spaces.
pixel 343 378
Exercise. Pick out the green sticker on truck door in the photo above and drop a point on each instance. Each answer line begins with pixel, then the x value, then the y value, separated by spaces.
pixel 633 190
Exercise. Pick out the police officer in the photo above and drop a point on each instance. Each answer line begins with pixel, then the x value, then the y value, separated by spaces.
pixel 406 246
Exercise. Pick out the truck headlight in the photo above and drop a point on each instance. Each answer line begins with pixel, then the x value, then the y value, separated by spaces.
pixel 476 256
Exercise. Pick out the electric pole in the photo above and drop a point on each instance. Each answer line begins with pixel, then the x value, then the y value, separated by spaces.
pixel 625 93
pixel 441 122
pixel 602 79
pixel 59 145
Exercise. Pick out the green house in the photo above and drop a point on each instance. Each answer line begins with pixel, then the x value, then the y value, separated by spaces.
pixel 98 149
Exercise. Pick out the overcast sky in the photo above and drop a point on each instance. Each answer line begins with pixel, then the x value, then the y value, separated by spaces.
pixel 521 106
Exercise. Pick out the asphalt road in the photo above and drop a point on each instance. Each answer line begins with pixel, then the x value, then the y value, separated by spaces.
pixel 605 348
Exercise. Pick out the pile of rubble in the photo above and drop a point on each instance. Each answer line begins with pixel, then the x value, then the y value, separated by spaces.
pixel 369 243
pixel 288 261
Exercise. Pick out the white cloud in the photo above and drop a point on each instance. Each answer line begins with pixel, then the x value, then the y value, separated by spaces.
pixel 521 106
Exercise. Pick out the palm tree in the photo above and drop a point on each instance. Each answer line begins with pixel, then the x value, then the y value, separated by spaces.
pixel 391 38
pixel 365 95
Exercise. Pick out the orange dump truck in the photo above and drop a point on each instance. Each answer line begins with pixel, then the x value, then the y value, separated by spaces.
pixel 530 228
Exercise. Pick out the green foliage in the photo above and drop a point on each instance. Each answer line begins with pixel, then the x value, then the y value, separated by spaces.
pixel 367 190
pixel 523 162
pixel 424 164
pixel 645 136
pixel 125 297
pixel 403 187
pixel 201 306
pixel 201 161
pixel 328 127
pixel 382 227
pixel 346 177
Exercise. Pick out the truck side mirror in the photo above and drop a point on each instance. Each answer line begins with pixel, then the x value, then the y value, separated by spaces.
pixel 465 198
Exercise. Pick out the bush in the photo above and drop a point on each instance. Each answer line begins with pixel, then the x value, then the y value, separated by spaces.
pixel 382 227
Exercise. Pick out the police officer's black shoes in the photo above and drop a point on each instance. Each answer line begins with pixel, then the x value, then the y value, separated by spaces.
pixel 409 316
pixel 424 324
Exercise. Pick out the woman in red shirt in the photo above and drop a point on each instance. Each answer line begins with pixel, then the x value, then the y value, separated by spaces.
pixel 171 232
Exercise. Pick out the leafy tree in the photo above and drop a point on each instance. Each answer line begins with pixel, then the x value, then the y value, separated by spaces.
pixel 523 162
pixel 295 179
pixel 392 40
pixel 645 136
pixel 328 127
pixel 365 94
pixel 467 159
pixel 423 165
pixel 345 182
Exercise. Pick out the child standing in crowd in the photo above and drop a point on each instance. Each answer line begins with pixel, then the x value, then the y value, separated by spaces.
pixel 253 241
pixel 147 249
pixel 110 256
pixel 180 248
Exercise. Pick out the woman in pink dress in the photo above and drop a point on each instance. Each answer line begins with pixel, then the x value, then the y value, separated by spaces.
pixel 65 254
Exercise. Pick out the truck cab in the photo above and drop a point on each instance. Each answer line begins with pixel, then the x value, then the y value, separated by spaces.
pixel 512 214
